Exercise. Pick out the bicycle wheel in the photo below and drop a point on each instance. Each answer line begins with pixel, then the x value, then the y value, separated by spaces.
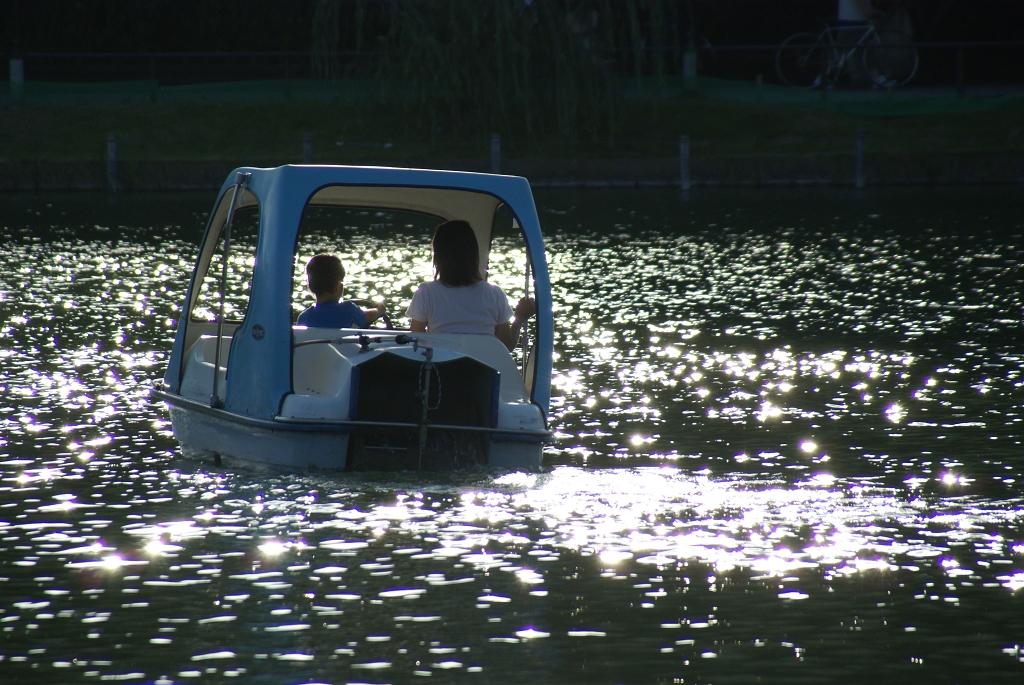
pixel 803 61
pixel 890 59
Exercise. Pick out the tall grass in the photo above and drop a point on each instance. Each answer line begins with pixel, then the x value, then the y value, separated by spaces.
pixel 526 68
pixel 324 48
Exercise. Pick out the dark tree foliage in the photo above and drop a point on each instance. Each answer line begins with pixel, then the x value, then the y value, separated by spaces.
pixel 157 25
pixel 276 25
pixel 467 65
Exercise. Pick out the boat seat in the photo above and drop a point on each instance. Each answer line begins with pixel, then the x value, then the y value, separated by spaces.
pixel 197 381
pixel 318 370
pixel 209 349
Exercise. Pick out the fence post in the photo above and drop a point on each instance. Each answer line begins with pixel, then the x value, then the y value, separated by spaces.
pixel 287 78
pixel 859 169
pixel 153 83
pixel 760 89
pixel 495 153
pixel 307 148
pixel 961 86
pixel 690 65
pixel 17 74
pixel 684 163
pixel 112 163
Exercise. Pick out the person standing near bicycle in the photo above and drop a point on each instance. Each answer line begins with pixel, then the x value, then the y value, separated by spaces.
pixel 870 47
pixel 852 17
pixel 854 13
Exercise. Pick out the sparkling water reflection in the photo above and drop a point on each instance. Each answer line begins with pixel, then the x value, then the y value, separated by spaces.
pixel 789 446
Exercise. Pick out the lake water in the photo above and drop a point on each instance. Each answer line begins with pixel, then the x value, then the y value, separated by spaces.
pixel 788 425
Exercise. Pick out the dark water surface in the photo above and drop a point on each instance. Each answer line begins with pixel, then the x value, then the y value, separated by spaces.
pixel 789 450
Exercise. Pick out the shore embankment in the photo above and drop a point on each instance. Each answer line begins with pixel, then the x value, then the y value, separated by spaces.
pixel 881 169
pixel 193 145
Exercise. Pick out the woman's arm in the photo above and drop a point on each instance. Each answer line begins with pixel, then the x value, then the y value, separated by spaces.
pixel 525 308
pixel 503 332
pixel 417 326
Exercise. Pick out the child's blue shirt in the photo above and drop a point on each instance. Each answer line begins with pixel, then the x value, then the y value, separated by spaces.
pixel 333 315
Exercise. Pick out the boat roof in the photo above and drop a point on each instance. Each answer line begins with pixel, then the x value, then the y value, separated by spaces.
pixel 259 373
pixel 471 197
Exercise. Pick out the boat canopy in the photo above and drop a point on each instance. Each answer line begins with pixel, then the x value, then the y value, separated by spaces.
pixel 259 368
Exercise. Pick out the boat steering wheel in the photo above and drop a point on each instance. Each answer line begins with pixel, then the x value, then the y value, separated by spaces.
pixel 370 303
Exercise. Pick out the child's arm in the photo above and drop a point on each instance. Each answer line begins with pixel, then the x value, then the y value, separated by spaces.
pixel 375 312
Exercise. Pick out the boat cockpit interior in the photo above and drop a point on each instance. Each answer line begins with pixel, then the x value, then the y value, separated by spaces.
pixel 382 236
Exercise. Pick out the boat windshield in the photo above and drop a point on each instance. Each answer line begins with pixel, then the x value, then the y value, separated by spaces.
pixel 385 252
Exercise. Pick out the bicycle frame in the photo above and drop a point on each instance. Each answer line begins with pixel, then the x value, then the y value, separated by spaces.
pixel 840 54
pixel 869 56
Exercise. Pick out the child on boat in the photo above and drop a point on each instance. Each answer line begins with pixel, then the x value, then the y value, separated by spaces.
pixel 459 300
pixel 326 276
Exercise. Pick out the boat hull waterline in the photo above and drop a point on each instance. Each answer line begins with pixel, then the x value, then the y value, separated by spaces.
pixel 207 432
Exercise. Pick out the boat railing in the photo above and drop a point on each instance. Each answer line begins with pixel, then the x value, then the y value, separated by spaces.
pixel 364 341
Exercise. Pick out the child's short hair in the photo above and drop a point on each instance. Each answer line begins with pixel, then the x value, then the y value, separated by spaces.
pixel 324 271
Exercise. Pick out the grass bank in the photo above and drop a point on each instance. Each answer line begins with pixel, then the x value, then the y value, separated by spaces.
pixel 271 133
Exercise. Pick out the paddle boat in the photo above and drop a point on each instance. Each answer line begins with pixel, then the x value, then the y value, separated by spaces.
pixel 261 390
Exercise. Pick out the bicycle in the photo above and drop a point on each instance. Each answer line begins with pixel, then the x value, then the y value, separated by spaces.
pixel 884 59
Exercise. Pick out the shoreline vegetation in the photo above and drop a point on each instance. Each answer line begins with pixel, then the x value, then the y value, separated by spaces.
pixel 189 145
pixel 381 131
pixel 597 92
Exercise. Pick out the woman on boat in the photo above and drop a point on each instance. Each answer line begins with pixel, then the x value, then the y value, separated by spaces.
pixel 459 300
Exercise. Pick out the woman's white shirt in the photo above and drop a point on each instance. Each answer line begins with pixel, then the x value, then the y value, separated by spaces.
pixel 475 308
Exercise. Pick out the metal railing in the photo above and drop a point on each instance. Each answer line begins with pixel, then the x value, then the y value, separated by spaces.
pixel 943 63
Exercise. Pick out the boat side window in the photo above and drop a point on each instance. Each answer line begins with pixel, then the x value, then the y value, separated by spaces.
pixel 241 261
pixel 507 266
pixel 204 307
pixel 385 252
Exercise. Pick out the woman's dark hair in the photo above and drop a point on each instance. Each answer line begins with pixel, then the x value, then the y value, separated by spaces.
pixel 324 271
pixel 456 254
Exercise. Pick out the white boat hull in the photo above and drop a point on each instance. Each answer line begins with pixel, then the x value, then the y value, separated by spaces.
pixel 221 436
pixel 225 437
